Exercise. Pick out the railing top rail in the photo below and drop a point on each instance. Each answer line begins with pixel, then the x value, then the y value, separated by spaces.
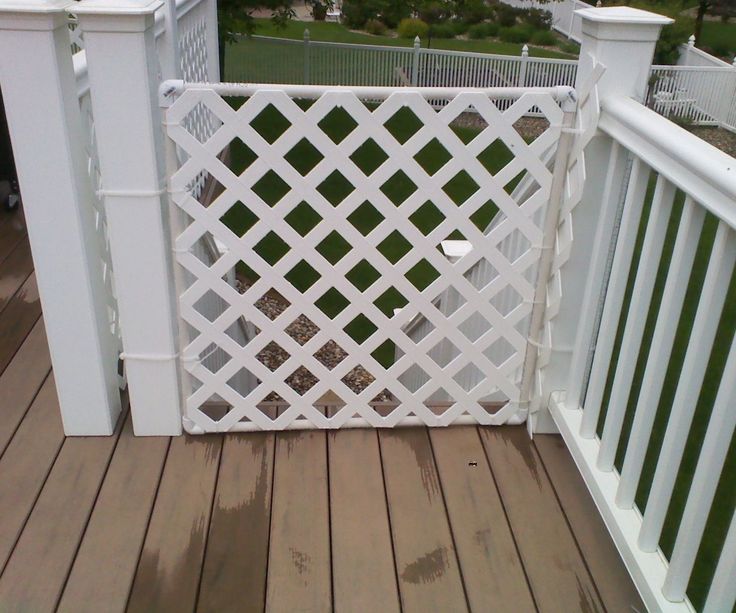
pixel 559 93
pixel 699 169
pixel 717 69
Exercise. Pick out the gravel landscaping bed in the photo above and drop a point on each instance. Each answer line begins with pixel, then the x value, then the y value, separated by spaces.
pixel 718 137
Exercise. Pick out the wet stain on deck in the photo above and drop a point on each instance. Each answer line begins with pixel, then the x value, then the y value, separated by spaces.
pixel 427 568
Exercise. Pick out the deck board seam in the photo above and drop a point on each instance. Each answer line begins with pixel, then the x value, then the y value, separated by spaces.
pixel 569 526
pixel 32 507
pixel 390 524
pixel 209 522
pixel 449 523
pixel 119 428
pixel 25 412
pixel 148 523
pixel 270 523
pixel 23 340
pixel 508 521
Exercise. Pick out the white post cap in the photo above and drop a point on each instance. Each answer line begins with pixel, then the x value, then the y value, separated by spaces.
pixel 33 14
pixel 128 15
pixel 622 23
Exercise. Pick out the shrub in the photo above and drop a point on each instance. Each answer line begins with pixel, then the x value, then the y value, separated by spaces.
pixel 516 34
pixel 375 27
pixel 459 27
pixel 442 30
pixel 537 18
pixel 568 46
pixel 668 45
pixel 544 38
pixel 411 28
pixel 505 15
pixel 482 30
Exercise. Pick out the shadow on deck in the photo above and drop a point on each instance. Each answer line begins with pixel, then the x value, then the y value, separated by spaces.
pixel 362 520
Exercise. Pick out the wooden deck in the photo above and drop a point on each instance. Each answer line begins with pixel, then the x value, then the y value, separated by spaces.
pixel 406 520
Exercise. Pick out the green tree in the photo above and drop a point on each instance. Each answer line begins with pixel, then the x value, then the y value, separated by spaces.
pixel 725 8
pixel 236 17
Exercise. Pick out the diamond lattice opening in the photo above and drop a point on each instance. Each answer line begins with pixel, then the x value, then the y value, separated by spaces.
pixel 241 382
pixel 398 187
pixel 427 217
pixel 270 123
pixel 271 248
pixel 302 329
pixel 332 303
pixel 330 354
pixel 495 156
pixel 241 156
pixel 390 300
pixel 301 380
pixel 443 353
pixel 484 215
pixel 303 218
pixel 358 379
pixel 304 156
pixel 403 124
pixel 365 218
pixel 422 275
pixel 368 157
pixel 270 188
pixel 363 275
pixel 413 378
pixel 387 353
pixel 239 219
pixel 469 377
pixel 432 156
pixel 469 124
pixel 360 329
pixel 209 306
pixel 337 124
pixel 531 128
pixel 500 351
pixel 394 247
pixel 213 358
pixel 506 300
pixel 461 187
pixel 334 247
pixel 302 276
pixel 199 121
pixel 474 327
pixel 335 188
pixel 272 304
pixel 481 274
pixel 272 356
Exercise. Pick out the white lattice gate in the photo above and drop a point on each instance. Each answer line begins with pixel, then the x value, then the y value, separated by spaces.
pixel 363 252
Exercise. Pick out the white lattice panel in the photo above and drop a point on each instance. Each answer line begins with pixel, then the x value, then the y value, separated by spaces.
pixel 447 360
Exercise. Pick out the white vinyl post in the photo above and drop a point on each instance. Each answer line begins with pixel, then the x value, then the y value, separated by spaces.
pixel 169 44
pixel 623 40
pixel 130 143
pixel 42 108
pixel 415 62
pixel 523 65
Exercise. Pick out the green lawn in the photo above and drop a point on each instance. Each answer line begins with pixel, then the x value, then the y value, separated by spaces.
pixel 270 124
pixel 725 501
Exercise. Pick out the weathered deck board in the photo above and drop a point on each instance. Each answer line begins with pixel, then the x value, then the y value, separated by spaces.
pixel 364 575
pixel 117 527
pixel 429 577
pixel 12 232
pixel 26 464
pixel 299 556
pixel 14 271
pixel 234 573
pixel 167 578
pixel 490 564
pixel 21 381
pixel 611 577
pixel 38 567
pixel 556 571
pixel 17 319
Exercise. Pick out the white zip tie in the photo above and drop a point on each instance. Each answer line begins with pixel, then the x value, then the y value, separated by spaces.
pixel 148 357
pixel 114 193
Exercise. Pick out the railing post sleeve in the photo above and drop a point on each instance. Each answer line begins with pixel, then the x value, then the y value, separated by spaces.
pixel 415 62
pixel 130 144
pixel 523 65
pixel 42 108
pixel 306 56
pixel 622 39
pixel 213 42
pixel 169 44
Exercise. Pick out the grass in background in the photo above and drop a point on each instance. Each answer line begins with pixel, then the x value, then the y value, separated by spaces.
pixel 270 124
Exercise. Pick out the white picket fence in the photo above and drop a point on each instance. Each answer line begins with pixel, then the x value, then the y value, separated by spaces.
pixel 279 60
